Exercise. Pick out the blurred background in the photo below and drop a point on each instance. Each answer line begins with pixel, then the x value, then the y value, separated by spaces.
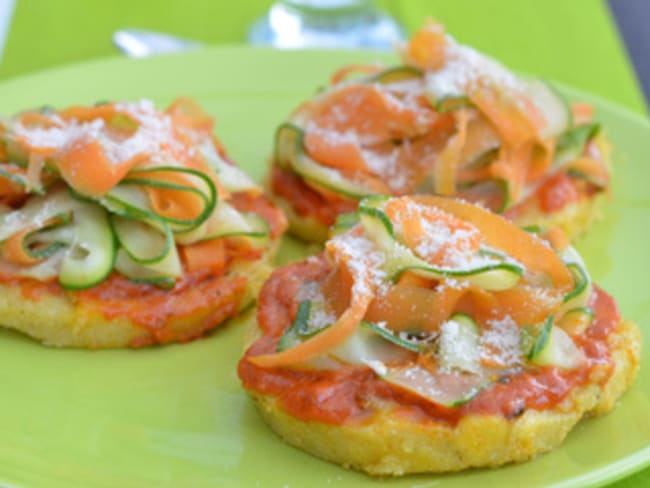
pixel 576 42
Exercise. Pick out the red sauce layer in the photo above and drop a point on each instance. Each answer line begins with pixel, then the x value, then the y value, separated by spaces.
pixel 558 192
pixel 351 394
pixel 551 197
pixel 262 206
pixel 306 201
pixel 198 302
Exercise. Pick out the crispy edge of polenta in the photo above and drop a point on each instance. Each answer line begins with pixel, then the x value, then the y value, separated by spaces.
pixel 387 445
pixel 574 219
pixel 57 321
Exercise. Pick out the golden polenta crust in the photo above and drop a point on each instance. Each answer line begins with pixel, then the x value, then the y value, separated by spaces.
pixel 56 320
pixel 390 445
pixel 574 219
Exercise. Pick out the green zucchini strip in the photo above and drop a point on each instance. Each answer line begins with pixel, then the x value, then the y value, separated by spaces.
pixel 299 328
pixel 143 243
pixel 209 200
pixel 48 248
pixel 541 339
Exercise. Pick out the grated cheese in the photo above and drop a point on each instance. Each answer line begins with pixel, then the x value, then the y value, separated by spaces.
pixel 500 342
pixel 319 314
pixel 459 348
pixel 466 68
pixel 364 261
pixel 154 135
pixel 439 237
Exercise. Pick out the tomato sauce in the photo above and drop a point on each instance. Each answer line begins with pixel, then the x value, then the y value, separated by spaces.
pixel 31 289
pixel 307 202
pixel 198 302
pixel 262 206
pixel 558 192
pixel 351 394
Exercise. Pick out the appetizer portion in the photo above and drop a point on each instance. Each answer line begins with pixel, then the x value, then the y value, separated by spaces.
pixel 432 335
pixel 121 225
pixel 447 121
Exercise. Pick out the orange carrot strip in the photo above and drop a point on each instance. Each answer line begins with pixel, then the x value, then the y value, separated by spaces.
pixel 187 112
pixel 481 137
pixel 447 299
pixel 342 73
pixel 582 113
pixel 39 119
pixel 426 49
pixel 448 160
pixel 337 289
pixel 9 190
pixel 596 170
pixel 322 342
pixel 87 169
pixel 13 251
pixel 104 111
pixel 411 217
pixel 557 238
pixel 541 157
pixel 403 210
pixel 504 235
pixel 333 335
pixel 409 278
pixel 479 304
pixel 512 166
pixel 34 168
pixel 205 255
pixel 414 309
pixel 525 305
pixel 513 125
pixel 364 109
pixel 336 154
pixel 175 204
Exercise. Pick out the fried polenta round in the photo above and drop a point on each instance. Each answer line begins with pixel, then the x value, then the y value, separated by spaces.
pixel 137 315
pixel 125 225
pixel 488 351
pixel 446 121
pixel 387 444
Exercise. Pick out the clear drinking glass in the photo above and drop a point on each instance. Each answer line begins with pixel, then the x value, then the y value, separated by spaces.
pixel 326 24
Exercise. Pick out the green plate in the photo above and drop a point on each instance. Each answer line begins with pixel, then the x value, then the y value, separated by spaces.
pixel 176 416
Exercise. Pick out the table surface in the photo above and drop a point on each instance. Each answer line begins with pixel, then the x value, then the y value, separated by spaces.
pixel 574 42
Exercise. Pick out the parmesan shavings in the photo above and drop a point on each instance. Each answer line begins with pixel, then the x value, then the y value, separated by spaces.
pixel 466 68
pixel 459 347
pixel 154 135
pixel 451 245
pixel 363 259
pixel 500 342
pixel 319 314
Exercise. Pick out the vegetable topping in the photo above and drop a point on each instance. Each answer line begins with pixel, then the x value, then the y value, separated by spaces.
pixel 122 187
pixel 449 121
pixel 439 297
